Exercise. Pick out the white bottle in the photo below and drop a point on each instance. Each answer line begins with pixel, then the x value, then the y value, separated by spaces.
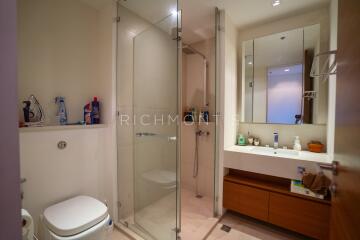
pixel 297 144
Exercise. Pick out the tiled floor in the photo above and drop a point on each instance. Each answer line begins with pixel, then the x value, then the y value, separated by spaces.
pixel 197 221
pixel 160 218
pixel 117 235
pixel 243 228
pixel 196 216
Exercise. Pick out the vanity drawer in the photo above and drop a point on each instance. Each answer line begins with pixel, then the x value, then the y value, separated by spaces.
pixel 249 201
pixel 307 217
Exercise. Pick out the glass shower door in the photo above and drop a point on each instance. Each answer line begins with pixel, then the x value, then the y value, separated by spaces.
pixel 155 105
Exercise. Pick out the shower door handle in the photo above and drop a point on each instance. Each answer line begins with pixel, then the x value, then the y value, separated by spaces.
pixel 147 134
pixel 172 139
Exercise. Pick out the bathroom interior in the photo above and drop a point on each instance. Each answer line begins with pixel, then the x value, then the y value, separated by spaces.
pixel 183 118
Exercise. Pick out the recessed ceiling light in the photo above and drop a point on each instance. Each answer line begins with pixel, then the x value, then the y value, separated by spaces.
pixel 250 63
pixel 287 70
pixel 275 3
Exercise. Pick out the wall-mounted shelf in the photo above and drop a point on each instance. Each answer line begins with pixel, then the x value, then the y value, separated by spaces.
pixel 60 128
pixel 326 64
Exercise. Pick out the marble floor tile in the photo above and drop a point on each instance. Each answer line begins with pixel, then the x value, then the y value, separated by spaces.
pixel 117 235
pixel 243 228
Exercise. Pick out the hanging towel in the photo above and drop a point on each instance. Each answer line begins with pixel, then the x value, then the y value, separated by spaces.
pixel 317 183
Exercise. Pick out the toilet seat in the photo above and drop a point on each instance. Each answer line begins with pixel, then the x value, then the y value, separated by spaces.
pixel 74 215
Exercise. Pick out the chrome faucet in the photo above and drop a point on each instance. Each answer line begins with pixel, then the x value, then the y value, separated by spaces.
pixel 276 140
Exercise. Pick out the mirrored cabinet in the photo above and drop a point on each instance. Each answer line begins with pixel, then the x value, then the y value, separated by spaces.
pixel 276 82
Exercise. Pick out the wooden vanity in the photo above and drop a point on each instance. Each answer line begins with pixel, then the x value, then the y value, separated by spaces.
pixel 269 199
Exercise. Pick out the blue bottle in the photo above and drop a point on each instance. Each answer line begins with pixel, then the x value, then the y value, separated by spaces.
pixel 62 116
pixel 95 111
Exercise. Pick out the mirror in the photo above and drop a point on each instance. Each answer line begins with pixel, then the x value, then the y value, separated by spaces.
pixel 276 86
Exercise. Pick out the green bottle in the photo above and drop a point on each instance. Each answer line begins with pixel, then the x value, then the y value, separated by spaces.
pixel 241 140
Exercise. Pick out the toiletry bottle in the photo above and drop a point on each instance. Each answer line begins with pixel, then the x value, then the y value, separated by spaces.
pixel 206 115
pixel 27 111
pixel 276 140
pixel 87 113
pixel 195 117
pixel 95 111
pixel 241 140
pixel 62 116
pixel 297 144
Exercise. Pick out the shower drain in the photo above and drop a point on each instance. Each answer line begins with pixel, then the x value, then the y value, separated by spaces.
pixel 226 228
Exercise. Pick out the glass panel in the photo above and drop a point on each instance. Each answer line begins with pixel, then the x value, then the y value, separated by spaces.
pixel 147 93
pixel 155 131
pixel 284 55
pixel 247 88
pixel 274 51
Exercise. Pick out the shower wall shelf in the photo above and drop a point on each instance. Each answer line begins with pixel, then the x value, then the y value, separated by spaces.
pixel 309 94
pixel 61 128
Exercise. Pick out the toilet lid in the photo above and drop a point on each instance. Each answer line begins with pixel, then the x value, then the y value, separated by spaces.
pixel 74 215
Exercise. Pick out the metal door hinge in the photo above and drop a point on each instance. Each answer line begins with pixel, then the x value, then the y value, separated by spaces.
pixel 116 19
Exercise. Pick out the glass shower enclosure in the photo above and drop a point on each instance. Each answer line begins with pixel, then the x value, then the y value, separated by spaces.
pixel 147 118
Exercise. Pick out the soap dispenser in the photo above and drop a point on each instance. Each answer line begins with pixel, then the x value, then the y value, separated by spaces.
pixel 297 144
pixel 241 140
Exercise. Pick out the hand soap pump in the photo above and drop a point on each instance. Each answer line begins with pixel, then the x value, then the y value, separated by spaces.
pixel 241 140
pixel 297 144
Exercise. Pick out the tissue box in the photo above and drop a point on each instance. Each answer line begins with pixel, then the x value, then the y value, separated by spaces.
pixel 298 187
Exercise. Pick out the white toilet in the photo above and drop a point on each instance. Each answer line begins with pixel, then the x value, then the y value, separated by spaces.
pixel 78 218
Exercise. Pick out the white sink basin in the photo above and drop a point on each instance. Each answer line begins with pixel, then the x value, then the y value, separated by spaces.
pixel 275 152
pixel 281 153
pixel 275 162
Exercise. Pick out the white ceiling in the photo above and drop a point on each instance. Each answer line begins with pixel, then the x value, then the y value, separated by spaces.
pixel 199 15
pixel 271 51
pixel 250 12
pixel 198 19
pixel 98 4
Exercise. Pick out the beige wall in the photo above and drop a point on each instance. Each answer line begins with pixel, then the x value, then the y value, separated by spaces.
pixel 55 175
pixel 193 77
pixel 192 96
pixel 231 81
pixel 227 70
pixel 332 79
pixel 66 49
pixel 60 54
pixel 206 146
pixel 287 133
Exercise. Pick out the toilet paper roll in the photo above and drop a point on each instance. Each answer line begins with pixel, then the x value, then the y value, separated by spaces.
pixel 27 225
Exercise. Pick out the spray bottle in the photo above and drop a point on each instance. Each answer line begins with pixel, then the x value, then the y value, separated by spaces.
pixel 62 116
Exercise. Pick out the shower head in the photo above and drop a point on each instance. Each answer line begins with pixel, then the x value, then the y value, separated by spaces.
pixel 188 50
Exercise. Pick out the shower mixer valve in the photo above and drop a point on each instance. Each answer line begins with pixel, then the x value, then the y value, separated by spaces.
pixel 202 133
